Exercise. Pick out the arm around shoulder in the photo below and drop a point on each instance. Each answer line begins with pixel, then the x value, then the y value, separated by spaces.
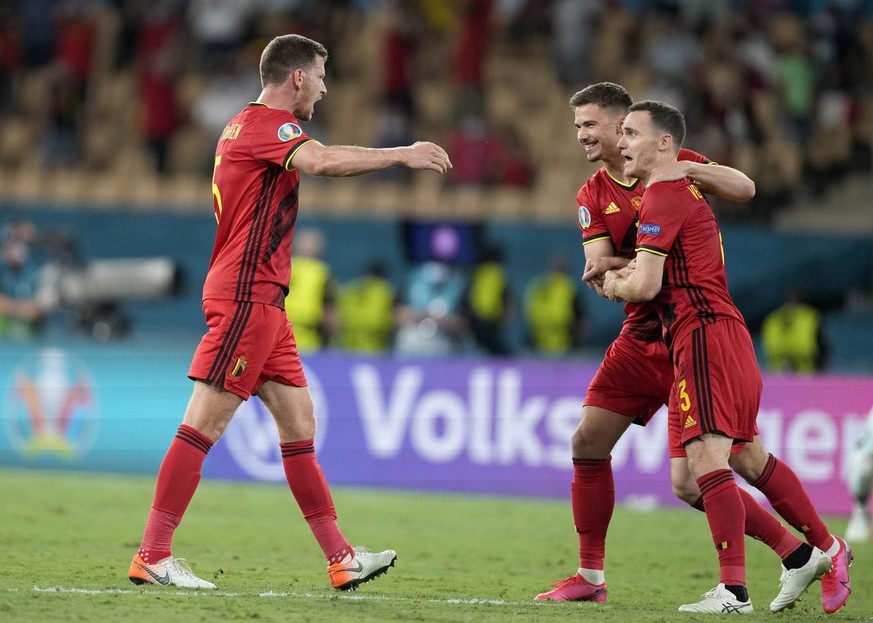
pixel 725 182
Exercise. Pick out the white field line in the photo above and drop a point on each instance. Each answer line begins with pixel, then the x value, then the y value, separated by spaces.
pixel 324 597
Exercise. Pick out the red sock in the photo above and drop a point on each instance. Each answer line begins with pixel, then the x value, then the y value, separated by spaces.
pixel 763 526
pixel 786 494
pixel 593 497
pixel 727 517
pixel 309 486
pixel 177 481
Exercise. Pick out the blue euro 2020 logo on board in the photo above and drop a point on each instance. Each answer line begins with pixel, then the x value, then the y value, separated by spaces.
pixel 50 407
pixel 253 441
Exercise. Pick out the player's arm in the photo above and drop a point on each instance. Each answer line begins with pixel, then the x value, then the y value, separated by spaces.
pixel 639 283
pixel 346 160
pixel 725 182
pixel 598 260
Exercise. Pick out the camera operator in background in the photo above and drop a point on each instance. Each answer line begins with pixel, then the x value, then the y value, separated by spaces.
pixel 21 314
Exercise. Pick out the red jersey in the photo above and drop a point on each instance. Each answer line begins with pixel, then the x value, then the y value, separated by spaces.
pixel 609 209
pixel 254 192
pixel 676 222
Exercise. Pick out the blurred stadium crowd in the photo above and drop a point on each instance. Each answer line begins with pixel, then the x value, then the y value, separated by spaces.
pixel 122 100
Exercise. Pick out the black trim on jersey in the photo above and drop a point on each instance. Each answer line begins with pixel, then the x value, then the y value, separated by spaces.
pixel 702 379
pixel 281 225
pixel 652 249
pixel 705 312
pixel 286 162
pixel 604 236
pixel 629 241
pixel 255 239
pixel 230 342
pixel 646 330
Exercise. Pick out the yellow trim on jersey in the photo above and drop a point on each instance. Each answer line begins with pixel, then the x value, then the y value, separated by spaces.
pixel 292 152
pixel 652 250
pixel 595 238
pixel 628 185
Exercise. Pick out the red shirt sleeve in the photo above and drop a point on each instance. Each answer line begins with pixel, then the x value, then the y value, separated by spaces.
pixel 591 220
pixel 661 217
pixel 693 156
pixel 276 139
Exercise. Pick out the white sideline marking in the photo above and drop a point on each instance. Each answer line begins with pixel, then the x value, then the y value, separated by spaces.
pixel 326 596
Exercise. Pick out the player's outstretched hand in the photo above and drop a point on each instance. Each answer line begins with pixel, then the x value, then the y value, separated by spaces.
pixel 425 155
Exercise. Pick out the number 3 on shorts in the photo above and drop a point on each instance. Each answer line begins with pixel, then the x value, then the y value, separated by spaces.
pixel 684 398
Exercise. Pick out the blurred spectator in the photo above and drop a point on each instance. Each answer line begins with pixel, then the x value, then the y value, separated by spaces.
pixel 10 55
pixel 796 73
pixel 573 29
pixel 78 27
pixel 793 336
pixel 159 53
pixel 399 45
pixel 471 145
pixel 20 312
pixel 311 300
pixel 430 320
pixel 488 303
pixel 481 157
pixel 470 54
pixel 219 28
pixel 553 311
pixel 39 31
pixel 366 312
pixel 230 88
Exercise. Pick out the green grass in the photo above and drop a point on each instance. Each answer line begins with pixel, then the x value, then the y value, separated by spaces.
pixel 461 558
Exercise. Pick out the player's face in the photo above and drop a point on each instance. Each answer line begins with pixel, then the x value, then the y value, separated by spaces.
pixel 311 90
pixel 638 144
pixel 598 131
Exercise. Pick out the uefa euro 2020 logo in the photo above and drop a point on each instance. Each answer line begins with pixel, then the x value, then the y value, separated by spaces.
pixel 50 406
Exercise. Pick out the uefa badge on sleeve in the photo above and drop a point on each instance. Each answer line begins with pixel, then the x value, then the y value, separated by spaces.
pixel 584 217
pixel 289 131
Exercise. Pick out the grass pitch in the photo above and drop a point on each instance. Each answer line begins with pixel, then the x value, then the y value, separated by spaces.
pixel 66 541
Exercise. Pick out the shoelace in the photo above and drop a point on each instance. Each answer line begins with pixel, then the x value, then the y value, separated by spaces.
pixel 573 579
pixel 182 567
pixel 711 593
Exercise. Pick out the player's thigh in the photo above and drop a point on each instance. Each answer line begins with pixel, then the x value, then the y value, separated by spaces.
pixel 210 409
pixel 598 431
pixel 634 379
pixel 292 408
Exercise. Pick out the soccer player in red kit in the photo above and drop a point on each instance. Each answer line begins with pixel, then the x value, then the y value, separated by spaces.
pixel 249 347
pixel 717 385
pixel 636 375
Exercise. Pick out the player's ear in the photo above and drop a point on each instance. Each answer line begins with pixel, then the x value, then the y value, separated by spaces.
pixel 297 77
pixel 666 142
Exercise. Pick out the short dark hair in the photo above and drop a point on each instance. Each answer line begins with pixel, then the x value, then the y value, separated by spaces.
pixel 665 117
pixel 605 95
pixel 286 53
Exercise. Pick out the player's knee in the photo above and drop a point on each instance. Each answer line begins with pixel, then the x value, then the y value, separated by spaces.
pixel 587 446
pixel 749 467
pixel 685 489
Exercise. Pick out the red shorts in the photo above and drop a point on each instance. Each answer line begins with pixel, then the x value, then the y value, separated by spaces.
pixel 634 379
pixel 717 385
pixel 247 344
